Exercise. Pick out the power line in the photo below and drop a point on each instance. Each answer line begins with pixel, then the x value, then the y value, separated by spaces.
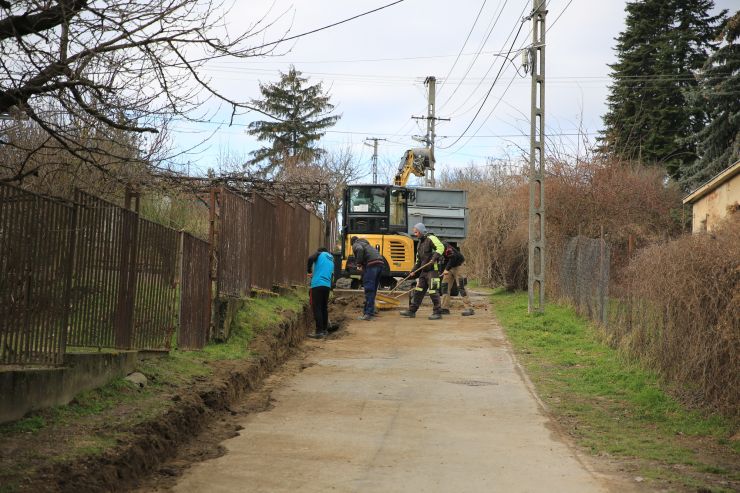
pixel 362 60
pixel 467 38
pixel 290 38
pixel 480 49
pixel 559 15
pixel 521 25
pixel 328 26
pixel 480 82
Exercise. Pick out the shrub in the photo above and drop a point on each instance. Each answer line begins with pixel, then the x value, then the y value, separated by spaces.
pixel 683 314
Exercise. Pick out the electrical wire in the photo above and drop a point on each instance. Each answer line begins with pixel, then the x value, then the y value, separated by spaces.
pixel 465 43
pixel 456 113
pixel 328 26
pixel 559 15
pixel 480 49
pixel 290 38
pixel 488 94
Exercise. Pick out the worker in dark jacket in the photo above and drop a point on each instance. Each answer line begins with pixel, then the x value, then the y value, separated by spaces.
pixel 369 260
pixel 429 251
pixel 451 274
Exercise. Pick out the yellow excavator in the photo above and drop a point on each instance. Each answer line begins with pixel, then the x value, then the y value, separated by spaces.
pixel 379 213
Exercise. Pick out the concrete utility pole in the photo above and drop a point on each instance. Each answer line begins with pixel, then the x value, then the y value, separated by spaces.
pixel 374 145
pixel 431 119
pixel 536 281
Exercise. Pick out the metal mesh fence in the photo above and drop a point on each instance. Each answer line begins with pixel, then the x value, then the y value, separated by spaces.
pixel 584 276
pixel 35 261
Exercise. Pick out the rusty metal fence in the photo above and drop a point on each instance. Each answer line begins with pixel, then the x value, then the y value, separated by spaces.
pixel 89 273
pixel 35 258
pixel 261 242
pixel 195 293
pixel 155 302
pixel 234 255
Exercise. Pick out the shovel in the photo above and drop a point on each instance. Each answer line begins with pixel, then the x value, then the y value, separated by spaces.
pixel 388 302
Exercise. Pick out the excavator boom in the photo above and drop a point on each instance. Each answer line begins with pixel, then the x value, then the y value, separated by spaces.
pixel 414 162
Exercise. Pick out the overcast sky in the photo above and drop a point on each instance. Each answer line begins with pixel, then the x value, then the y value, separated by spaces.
pixel 374 69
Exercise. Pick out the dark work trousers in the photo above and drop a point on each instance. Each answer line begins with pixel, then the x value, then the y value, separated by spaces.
pixel 370 283
pixel 428 281
pixel 320 305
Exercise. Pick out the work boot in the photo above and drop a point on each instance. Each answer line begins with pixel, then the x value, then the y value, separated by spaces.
pixel 445 311
pixel 333 327
pixel 467 312
pixel 366 317
pixel 318 335
pixel 435 316
pixel 408 313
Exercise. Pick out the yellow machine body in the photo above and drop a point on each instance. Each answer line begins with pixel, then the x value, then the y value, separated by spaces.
pixel 398 251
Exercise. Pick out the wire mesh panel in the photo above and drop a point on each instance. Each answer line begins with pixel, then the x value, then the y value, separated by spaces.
pixel 234 256
pixel 263 242
pixel 97 280
pixel 195 301
pixel 584 276
pixel 36 247
pixel 155 308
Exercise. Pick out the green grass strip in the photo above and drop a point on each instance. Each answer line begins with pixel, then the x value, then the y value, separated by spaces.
pixel 613 405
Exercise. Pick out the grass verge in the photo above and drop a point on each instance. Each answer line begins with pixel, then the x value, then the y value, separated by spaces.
pixel 613 406
pixel 98 420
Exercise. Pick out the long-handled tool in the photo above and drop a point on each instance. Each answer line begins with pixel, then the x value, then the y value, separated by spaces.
pixel 388 302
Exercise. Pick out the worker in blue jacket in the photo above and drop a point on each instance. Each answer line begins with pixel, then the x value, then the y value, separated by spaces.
pixel 320 267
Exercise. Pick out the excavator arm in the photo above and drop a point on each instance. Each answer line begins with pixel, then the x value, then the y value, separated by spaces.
pixel 414 162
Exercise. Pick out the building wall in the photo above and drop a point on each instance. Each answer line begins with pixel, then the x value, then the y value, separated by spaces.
pixel 716 205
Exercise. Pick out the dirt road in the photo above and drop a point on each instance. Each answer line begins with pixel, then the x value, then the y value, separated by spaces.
pixel 401 405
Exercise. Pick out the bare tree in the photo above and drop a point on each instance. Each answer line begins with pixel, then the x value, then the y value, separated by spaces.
pixel 120 67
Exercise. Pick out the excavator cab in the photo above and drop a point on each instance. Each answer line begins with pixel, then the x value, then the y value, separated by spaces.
pixel 378 213
pixel 376 209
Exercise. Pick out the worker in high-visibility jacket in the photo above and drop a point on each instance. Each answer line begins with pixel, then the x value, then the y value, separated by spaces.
pixel 430 252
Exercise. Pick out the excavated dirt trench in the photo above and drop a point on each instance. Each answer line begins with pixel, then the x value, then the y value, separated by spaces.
pixel 199 418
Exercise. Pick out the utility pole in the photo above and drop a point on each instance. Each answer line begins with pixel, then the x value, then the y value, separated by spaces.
pixel 431 119
pixel 374 145
pixel 536 265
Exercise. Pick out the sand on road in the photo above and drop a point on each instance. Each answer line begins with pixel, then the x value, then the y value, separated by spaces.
pixel 402 405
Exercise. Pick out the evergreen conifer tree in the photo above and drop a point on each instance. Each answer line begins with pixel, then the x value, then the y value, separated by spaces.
pixel 648 119
pixel 302 115
pixel 719 93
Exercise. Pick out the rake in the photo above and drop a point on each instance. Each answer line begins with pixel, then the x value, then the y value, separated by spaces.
pixel 388 302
